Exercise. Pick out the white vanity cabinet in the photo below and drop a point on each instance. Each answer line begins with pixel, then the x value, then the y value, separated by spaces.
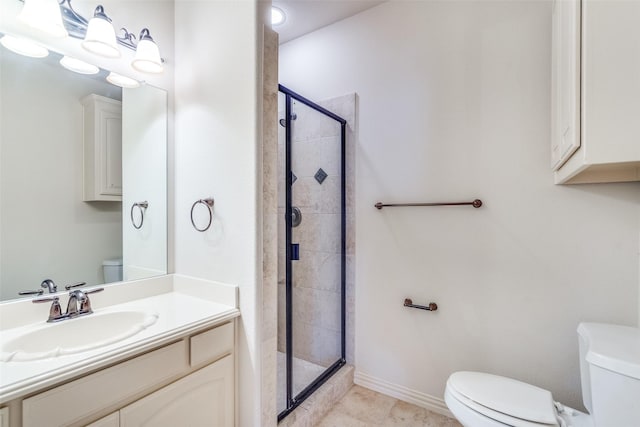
pixel 102 148
pixel 188 382
pixel 4 417
pixel 595 91
pixel 204 398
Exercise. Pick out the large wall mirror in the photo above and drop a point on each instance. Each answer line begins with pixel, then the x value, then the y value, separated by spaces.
pixel 79 204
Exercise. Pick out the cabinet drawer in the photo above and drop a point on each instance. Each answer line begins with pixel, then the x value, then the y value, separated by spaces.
pixel 112 420
pixel 78 399
pixel 212 344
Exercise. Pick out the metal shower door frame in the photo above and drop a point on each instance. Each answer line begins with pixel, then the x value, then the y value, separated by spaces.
pixel 294 401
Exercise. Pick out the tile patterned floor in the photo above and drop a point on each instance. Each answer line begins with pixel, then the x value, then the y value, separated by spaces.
pixel 362 407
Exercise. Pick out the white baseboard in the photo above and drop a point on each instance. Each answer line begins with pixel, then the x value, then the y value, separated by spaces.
pixel 405 394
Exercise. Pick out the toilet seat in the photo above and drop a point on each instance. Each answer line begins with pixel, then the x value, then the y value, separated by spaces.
pixel 504 399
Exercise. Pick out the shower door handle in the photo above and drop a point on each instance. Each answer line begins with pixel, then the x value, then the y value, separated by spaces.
pixel 295 251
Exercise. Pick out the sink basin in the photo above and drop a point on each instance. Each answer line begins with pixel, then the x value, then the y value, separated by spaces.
pixel 75 335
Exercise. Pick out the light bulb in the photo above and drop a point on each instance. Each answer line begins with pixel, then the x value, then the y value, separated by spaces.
pixel 147 57
pixel 101 37
pixel 122 81
pixel 78 66
pixel 43 15
pixel 24 47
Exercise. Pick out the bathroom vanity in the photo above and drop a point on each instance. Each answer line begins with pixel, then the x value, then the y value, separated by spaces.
pixel 176 357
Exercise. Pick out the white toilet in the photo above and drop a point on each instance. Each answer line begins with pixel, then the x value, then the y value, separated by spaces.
pixel 112 269
pixel 610 376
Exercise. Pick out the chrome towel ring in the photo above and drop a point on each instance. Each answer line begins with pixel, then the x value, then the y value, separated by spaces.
pixel 208 202
pixel 142 206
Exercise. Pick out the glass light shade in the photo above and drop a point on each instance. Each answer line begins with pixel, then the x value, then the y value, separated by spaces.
pixel 101 38
pixel 43 15
pixel 78 66
pixel 23 47
pixel 147 57
pixel 122 81
pixel 277 16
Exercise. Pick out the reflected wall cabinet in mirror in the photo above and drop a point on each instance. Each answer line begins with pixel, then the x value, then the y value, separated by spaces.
pixel 54 223
pixel 102 148
pixel 595 98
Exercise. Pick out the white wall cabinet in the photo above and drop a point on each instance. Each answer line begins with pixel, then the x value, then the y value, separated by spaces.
pixel 595 91
pixel 102 148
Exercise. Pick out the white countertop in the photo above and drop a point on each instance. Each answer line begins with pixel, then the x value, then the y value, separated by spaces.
pixel 183 306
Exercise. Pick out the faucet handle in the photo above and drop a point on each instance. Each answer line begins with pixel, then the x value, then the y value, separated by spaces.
pixel 75 285
pixel 83 299
pixel 55 312
pixel 34 292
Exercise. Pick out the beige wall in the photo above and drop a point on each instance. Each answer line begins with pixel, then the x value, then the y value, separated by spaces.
pixel 454 105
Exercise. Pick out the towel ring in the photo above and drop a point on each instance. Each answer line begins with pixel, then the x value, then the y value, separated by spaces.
pixel 142 206
pixel 208 202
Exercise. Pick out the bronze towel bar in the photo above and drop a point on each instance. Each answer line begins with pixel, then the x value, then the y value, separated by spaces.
pixel 431 307
pixel 476 204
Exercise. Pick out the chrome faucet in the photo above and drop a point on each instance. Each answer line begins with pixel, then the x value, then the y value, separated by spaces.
pixel 47 284
pixel 78 305
pixel 79 302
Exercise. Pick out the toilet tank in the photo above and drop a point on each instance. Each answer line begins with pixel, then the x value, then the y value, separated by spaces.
pixel 610 373
pixel 112 270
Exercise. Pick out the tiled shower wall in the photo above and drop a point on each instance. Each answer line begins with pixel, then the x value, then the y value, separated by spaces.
pixel 316 155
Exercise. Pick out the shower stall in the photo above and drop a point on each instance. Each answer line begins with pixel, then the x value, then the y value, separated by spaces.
pixel 311 248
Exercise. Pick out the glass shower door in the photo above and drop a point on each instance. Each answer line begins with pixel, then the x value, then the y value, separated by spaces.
pixel 316 214
pixel 314 230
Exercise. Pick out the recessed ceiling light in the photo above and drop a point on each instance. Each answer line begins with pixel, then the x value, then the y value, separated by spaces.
pixel 24 47
pixel 122 81
pixel 78 66
pixel 277 16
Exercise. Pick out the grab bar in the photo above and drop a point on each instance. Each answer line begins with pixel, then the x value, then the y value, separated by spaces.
pixel 431 307
pixel 476 204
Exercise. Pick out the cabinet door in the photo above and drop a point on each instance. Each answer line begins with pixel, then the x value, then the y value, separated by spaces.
pixel 110 122
pixel 565 81
pixel 204 398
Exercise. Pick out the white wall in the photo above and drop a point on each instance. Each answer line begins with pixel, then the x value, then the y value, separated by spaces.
pixel 454 105
pixel 217 155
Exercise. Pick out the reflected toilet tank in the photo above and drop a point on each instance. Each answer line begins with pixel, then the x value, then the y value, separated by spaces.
pixel 112 269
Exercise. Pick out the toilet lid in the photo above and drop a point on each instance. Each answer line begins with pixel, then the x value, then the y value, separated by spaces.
pixel 506 395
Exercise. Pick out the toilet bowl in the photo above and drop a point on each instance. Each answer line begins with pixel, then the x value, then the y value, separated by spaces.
pixel 610 377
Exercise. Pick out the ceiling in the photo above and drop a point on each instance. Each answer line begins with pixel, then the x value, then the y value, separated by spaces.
pixel 305 16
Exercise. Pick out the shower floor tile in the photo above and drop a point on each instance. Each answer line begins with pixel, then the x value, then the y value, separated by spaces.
pixel 303 374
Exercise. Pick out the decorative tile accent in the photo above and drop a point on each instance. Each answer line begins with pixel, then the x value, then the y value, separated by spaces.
pixel 320 176
pixel 294 178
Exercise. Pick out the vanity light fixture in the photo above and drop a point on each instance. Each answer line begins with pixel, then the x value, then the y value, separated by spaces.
pixel 43 15
pixel 78 66
pixel 277 16
pixel 122 81
pixel 101 37
pixel 23 46
pixel 147 57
